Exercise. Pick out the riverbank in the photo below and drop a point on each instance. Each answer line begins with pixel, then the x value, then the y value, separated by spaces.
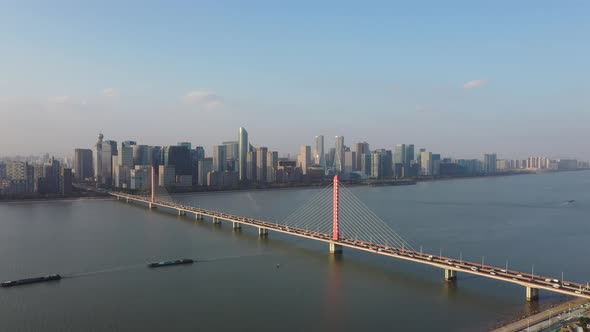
pixel 544 319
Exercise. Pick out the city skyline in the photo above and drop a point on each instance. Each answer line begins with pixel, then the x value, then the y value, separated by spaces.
pixel 461 79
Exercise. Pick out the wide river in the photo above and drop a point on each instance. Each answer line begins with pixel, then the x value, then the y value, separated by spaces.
pixel 288 284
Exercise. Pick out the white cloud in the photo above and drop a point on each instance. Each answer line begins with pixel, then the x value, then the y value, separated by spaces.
pixel 110 92
pixel 204 99
pixel 475 84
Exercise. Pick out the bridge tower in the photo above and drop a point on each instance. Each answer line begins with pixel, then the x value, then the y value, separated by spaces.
pixel 334 247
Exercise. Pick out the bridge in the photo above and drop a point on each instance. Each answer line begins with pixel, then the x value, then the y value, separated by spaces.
pixel 337 217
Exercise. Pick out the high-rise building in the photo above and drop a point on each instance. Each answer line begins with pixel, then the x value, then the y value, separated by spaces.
pixel 272 162
pixel 319 156
pixel 187 145
pixel 128 144
pixel 251 166
pixel 83 168
pixel 366 164
pixel 109 149
pixel 425 163
pixel 261 166
pixel 205 166
pixel 436 164
pixel 349 161
pixel 409 153
pixel 65 181
pixel 243 153
pixel 339 154
pixel 360 149
pixel 377 165
pixel 141 155
pixel 330 157
pixel 305 158
pixel 97 159
pixel 489 163
pixel 167 175
pixel 140 177
pixel 232 153
pixel 219 157
pixel 125 156
pixel 179 156
pixel 21 175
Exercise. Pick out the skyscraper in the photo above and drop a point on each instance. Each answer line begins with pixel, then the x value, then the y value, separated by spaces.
pixel 360 149
pixel 425 163
pixel 97 159
pixel 400 161
pixel 272 162
pixel 251 166
pixel 83 167
pixel 261 166
pixel 219 157
pixel 109 149
pixel 349 161
pixel 232 153
pixel 305 157
pixel 339 154
pixel 489 163
pixel 243 153
pixel 319 157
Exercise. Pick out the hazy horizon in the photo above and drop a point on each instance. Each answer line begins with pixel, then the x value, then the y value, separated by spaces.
pixel 461 78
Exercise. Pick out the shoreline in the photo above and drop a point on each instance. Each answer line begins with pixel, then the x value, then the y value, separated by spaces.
pixel 539 317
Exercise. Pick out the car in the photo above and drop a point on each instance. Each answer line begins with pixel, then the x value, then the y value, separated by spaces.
pixel 519 275
pixel 514 279
pixel 493 273
pixel 555 280
pixel 578 292
pixel 548 280
pixel 473 268
pixel 503 270
pixel 556 286
pixel 566 283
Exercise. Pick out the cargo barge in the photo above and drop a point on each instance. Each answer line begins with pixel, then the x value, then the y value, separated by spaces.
pixel 27 281
pixel 169 263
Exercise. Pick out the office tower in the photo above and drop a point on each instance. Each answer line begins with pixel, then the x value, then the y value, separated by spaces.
pixel 49 182
pixel 83 168
pixel 425 163
pixel 366 164
pixel 167 175
pixel 489 163
pixel 261 166
pixel 141 155
pixel 219 157
pixel 360 149
pixel 125 157
pixel 400 161
pixel 409 153
pixel 339 154
pixel 330 157
pixel 179 156
pixel 243 153
pixel 97 159
pixel 419 159
pixel 21 176
pixel 349 161
pixel 140 177
pixel 109 149
pixel 376 165
pixel 305 158
pixel 319 157
pixel 251 166
pixel 205 166
pixel 2 171
pixel 128 144
pixel 272 162
pixel 65 181
pixel 435 164
pixel 232 153
pixel 187 145
pixel 155 156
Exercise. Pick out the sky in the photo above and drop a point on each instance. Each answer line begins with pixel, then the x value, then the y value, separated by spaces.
pixel 460 78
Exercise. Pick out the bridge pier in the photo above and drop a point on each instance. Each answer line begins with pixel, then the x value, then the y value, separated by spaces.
pixel 450 275
pixel 262 232
pixel 216 221
pixel 532 294
pixel 335 248
pixel 236 225
pixel 151 206
pixel 127 200
pixel 181 213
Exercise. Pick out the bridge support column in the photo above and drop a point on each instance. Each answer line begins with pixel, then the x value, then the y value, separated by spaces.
pixel 127 200
pixel 197 216
pixel 151 206
pixel 236 225
pixel 532 294
pixel 450 275
pixel 216 220
pixel 181 213
pixel 262 232
pixel 335 248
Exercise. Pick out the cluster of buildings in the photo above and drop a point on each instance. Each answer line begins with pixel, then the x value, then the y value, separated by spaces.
pixel 22 178
pixel 236 163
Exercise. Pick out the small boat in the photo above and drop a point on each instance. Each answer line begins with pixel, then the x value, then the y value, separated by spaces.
pixel 170 263
pixel 12 283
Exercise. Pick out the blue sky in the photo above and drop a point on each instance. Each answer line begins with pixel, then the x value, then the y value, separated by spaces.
pixel 456 77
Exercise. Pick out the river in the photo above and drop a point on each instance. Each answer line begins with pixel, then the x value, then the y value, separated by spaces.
pixel 283 283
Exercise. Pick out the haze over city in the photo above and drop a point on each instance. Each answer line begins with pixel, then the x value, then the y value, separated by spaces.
pixel 511 78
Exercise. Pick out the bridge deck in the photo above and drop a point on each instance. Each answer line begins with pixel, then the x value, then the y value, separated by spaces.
pixel 487 271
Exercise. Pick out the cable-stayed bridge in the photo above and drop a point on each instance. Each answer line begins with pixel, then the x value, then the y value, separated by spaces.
pixel 336 216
